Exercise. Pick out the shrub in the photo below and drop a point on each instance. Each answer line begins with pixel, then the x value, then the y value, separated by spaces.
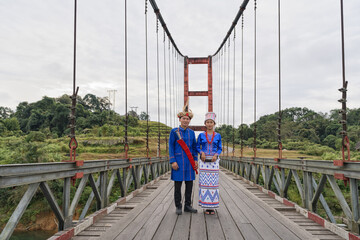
pixel 35 136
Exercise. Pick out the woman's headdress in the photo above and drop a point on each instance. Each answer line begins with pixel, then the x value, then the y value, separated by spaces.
pixel 210 116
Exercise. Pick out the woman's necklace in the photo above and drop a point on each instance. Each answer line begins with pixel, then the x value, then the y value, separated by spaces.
pixel 212 138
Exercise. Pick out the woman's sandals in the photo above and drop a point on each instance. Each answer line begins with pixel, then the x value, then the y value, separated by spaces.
pixel 210 212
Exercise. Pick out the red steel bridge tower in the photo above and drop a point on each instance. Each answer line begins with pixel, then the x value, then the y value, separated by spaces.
pixel 208 93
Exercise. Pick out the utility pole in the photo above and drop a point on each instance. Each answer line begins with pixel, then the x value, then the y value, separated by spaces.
pixel 112 94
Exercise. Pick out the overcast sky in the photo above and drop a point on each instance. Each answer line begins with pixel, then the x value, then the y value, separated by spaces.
pixel 36 49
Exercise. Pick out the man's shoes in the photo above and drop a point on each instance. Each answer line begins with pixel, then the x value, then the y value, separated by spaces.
pixel 189 209
pixel 178 211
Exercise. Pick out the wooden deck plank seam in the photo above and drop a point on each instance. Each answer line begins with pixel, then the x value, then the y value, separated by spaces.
pixel 274 226
pixel 310 215
pixel 68 233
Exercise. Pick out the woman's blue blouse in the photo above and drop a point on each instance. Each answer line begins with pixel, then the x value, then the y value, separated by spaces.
pixel 209 149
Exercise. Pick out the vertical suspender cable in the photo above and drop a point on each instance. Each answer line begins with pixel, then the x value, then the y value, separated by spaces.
pixel 254 148
pixel 74 63
pixel 242 89
pixel 224 63
pixel 147 82
pixel 228 98
pixel 280 113
pixel 158 82
pixel 221 87
pixel 126 146
pixel 166 142
pixel 170 89
pixel 73 142
pixel 343 90
pixel 228 86
pixel 173 79
pixel 233 123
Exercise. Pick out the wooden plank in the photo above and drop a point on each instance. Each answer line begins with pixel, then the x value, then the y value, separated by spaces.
pixel 279 223
pixel 198 228
pixel 326 232
pixel 182 222
pixel 148 230
pixel 289 213
pixel 243 224
pixel 261 227
pixel 314 228
pixel 167 225
pixel 327 237
pixel 228 225
pixel 130 231
pixel 108 221
pixel 97 224
pixel 312 223
pixel 305 220
pixel 84 238
pixel 97 228
pixel 117 228
pixel 213 227
pixel 90 233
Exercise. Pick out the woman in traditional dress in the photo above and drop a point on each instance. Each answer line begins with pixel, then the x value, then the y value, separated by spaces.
pixel 209 147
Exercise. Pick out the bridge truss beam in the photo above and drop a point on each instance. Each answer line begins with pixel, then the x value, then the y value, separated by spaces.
pixel 305 173
pixel 129 173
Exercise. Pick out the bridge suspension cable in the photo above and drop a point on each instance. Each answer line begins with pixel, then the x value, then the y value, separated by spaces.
pixel 233 112
pixel 254 147
pixel 166 141
pixel 343 90
pixel 224 81
pixel 158 83
pixel 228 97
pixel 126 145
pixel 73 144
pixel 170 88
pixel 147 81
pixel 228 34
pixel 242 89
pixel 279 55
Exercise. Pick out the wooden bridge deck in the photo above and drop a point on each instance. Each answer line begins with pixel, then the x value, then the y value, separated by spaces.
pixel 245 213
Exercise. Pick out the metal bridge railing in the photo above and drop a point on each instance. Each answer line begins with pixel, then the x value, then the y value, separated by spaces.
pixel 128 172
pixel 278 174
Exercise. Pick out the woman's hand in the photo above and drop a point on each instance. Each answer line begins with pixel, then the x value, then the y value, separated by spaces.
pixel 175 166
pixel 214 158
pixel 202 156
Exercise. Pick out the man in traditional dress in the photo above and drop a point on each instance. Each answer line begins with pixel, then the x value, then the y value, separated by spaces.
pixel 209 147
pixel 183 159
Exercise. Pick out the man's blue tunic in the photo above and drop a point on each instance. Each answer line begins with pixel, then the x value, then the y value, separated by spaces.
pixel 177 154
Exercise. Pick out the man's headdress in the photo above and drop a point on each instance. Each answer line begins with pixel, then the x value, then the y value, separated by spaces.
pixel 186 111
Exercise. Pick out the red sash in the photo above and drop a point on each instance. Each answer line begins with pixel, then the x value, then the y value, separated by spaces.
pixel 187 151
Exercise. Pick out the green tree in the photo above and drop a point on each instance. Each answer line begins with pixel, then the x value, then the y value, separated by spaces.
pixel 60 120
pixel 12 124
pixel 144 116
pixel 5 112
pixel 330 141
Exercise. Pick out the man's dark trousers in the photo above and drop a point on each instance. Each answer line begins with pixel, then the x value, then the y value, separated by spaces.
pixel 177 193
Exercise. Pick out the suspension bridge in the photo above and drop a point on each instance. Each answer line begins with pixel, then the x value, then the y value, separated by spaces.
pixel 254 190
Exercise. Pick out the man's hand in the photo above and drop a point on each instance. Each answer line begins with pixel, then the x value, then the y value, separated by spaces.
pixel 214 158
pixel 202 156
pixel 175 166
pixel 196 165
